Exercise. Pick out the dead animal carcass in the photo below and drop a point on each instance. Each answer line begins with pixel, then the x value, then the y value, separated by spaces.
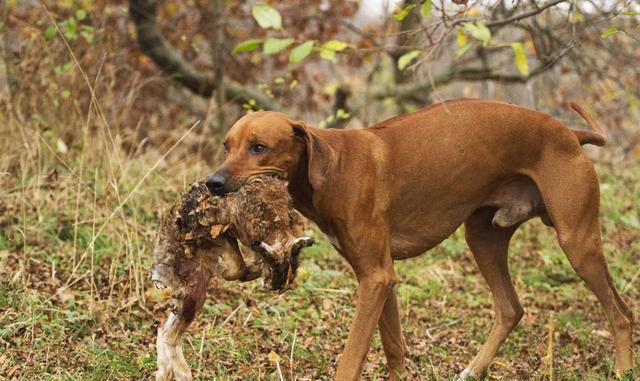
pixel 198 239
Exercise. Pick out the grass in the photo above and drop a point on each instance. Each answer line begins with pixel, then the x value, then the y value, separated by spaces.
pixel 77 225
pixel 74 305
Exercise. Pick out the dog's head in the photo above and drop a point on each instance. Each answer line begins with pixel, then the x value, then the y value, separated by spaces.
pixel 268 142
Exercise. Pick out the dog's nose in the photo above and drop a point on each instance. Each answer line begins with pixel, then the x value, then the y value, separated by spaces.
pixel 215 183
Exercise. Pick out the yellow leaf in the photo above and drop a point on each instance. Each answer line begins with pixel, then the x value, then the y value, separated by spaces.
pixel 462 38
pixel 273 356
pixel 520 58
pixel 155 296
pixel 328 49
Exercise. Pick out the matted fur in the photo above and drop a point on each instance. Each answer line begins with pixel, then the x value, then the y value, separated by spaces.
pixel 198 239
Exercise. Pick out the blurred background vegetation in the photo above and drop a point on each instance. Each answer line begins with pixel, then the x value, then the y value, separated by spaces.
pixel 108 109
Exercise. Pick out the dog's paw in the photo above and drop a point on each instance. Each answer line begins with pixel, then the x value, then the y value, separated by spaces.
pixel 466 375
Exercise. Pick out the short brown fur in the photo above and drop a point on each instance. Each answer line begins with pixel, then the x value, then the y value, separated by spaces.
pixel 398 189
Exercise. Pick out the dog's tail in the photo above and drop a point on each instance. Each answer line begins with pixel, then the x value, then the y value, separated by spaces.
pixel 595 137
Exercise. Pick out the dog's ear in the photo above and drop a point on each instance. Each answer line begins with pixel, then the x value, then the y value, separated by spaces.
pixel 321 158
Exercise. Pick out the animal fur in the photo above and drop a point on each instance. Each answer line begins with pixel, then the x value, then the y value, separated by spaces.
pixel 198 239
pixel 395 190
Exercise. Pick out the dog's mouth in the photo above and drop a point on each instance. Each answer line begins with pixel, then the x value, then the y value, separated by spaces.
pixel 271 173
pixel 235 185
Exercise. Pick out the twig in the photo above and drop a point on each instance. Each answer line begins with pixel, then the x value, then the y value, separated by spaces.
pixel 549 357
pixel 515 18
pixel 217 57
pixel 232 314
pixel 525 15
pixel 200 351
pixel 293 345
pixel 337 291
pixel 279 370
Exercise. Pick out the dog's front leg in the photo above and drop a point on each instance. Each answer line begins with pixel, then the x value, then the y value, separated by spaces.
pixel 391 335
pixel 374 269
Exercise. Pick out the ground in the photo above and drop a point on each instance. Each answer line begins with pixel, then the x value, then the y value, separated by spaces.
pixel 74 302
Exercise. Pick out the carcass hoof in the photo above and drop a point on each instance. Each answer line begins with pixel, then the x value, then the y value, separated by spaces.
pixel 171 362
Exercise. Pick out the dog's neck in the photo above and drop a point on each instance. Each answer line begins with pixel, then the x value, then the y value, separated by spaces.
pixel 301 191
pixel 306 200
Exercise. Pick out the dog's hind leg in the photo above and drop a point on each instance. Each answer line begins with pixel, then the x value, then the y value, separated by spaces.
pixel 489 246
pixel 570 191
pixel 391 335
pixel 171 362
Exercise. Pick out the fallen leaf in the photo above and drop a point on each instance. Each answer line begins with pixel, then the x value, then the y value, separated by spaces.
pixel 216 230
pixel 64 294
pixel 273 356
pixel 12 371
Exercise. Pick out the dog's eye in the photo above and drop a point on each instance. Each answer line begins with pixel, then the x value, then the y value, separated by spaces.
pixel 226 148
pixel 258 148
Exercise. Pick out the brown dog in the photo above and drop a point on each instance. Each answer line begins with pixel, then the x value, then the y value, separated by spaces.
pixel 396 190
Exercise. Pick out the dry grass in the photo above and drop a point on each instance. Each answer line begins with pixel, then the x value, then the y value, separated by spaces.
pixel 83 180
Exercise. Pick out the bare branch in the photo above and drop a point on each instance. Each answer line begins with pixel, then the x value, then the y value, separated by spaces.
pixel 170 60
pixel 217 57
pixel 469 74
pixel 513 19
pixel 525 15
pixel 8 58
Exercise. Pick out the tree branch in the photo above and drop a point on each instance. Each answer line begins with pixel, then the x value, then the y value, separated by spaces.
pixel 170 60
pixel 525 15
pixel 217 57
pixel 9 60
pixel 516 18
pixel 469 74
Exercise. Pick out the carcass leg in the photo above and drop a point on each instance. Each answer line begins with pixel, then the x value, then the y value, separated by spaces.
pixel 171 362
